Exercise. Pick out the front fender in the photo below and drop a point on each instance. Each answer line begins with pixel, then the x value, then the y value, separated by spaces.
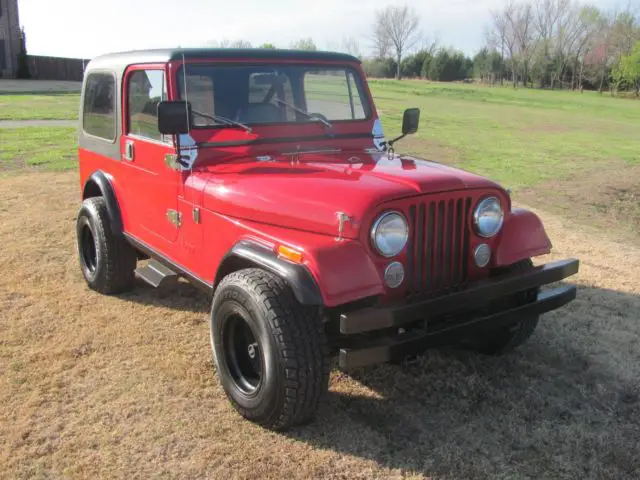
pixel 523 236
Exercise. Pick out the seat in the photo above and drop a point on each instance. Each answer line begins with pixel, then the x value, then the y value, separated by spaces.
pixel 259 113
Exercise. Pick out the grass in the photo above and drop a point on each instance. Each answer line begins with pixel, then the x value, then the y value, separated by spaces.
pixel 48 148
pixel 519 138
pixel 42 106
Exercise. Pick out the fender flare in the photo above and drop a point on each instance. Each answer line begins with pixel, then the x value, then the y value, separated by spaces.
pixel 523 236
pixel 297 276
pixel 100 181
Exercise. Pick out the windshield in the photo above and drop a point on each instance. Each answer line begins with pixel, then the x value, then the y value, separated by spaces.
pixel 254 95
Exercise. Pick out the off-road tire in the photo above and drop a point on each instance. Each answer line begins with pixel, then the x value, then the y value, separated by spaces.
pixel 291 346
pixel 109 267
pixel 506 339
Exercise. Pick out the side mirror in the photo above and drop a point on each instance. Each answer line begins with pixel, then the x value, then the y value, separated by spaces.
pixel 174 117
pixel 410 121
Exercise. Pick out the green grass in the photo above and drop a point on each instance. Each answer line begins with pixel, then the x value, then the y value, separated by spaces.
pixel 43 106
pixel 48 148
pixel 518 137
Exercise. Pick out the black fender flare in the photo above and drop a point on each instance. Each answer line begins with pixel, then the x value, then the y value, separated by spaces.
pixel 100 181
pixel 297 276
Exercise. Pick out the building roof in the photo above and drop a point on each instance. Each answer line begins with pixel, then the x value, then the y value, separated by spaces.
pixel 121 60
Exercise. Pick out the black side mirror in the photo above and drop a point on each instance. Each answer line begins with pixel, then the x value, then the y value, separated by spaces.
pixel 174 117
pixel 410 121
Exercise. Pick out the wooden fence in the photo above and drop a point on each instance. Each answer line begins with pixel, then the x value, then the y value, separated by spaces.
pixel 56 68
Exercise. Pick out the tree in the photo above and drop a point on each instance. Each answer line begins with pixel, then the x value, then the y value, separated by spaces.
pixel 399 27
pixel 268 45
pixel 226 43
pixel 351 46
pixel 304 44
pixel 412 66
pixel 23 61
pixel 628 70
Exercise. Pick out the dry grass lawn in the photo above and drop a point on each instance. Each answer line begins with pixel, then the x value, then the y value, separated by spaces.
pixel 94 386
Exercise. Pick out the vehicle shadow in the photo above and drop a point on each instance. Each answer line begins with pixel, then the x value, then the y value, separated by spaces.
pixel 180 295
pixel 566 404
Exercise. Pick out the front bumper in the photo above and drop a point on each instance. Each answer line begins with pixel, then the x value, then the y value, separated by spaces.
pixel 448 317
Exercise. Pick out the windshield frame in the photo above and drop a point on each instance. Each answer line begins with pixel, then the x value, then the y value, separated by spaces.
pixel 361 86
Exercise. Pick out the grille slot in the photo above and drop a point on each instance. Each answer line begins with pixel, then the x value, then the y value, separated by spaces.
pixel 438 250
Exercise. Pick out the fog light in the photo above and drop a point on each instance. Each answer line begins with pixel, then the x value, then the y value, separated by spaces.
pixel 394 274
pixel 482 255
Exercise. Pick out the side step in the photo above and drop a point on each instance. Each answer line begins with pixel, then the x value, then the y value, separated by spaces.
pixel 156 274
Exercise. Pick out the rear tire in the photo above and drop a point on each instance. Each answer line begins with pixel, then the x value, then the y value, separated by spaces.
pixel 270 351
pixel 107 261
pixel 506 339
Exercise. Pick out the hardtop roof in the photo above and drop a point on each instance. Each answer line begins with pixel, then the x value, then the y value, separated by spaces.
pixel 120 61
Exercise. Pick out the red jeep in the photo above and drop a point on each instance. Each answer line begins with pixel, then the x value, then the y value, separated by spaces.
pixel 263 177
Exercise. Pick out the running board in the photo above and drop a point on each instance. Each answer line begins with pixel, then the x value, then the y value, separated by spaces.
pixel 156 274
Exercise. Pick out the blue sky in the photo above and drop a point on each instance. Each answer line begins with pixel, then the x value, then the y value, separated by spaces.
pixel 86 28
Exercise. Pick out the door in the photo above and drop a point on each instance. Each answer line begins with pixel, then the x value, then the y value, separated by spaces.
pixel 152 186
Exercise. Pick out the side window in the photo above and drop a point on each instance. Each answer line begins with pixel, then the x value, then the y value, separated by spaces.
pixel 145 89
pixel 99 109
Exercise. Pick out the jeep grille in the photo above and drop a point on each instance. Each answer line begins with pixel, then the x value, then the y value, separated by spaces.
pixel 438 249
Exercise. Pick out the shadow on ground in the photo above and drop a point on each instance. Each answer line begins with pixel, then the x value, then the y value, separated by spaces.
pixel 565 405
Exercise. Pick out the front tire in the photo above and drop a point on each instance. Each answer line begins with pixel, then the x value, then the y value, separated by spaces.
pixel 270 351
pixel 107 261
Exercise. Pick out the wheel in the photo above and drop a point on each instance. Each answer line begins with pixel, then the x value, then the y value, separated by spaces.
pixel 505 339
pixel 270 351
pixel 107 262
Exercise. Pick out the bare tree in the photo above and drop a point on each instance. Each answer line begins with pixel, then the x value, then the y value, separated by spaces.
pixel 496 37
pixel 351 46
pixel 399 26
pixel 226 43
pixel 520 21
pixel 503 31
pixel 381 42
pixel 304 44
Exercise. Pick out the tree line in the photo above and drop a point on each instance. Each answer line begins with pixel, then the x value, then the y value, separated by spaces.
pixel 530 43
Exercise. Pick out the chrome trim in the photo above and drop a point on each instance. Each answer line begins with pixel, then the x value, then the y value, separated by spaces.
pixel 475 217
pixel 376 224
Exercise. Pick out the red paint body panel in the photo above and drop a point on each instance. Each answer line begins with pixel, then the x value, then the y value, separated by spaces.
pixel 293 200
pixel 523 236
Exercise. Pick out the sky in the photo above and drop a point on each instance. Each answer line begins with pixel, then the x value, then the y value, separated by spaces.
pixel 87 28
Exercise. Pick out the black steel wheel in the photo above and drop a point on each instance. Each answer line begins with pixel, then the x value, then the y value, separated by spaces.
pixel 107 261
pixel 270 351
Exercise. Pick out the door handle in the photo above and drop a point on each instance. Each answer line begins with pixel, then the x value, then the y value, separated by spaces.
pixel 128 150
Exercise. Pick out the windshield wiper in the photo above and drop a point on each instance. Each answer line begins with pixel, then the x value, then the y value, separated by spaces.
pixel 223 120
pixel 311 116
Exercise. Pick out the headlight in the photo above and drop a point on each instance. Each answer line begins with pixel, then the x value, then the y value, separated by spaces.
pixel 389 234
pixel 488 217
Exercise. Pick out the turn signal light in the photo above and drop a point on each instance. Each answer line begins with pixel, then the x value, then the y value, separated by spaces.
pixel 290 254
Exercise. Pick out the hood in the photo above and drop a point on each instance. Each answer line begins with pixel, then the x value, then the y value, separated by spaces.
pixel 307 193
